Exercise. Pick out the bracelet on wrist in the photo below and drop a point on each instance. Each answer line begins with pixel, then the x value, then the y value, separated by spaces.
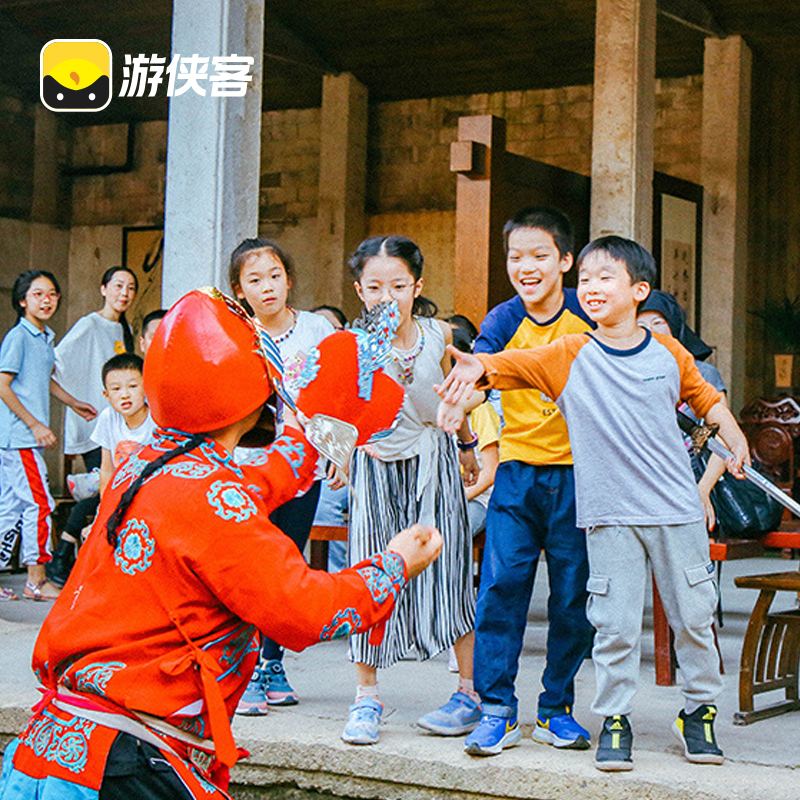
pixel 471 445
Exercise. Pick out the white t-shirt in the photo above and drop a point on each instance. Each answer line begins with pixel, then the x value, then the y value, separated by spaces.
pixel 113 434
pixel 80 356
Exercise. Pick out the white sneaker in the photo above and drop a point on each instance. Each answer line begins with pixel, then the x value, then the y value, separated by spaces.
pixel 84 485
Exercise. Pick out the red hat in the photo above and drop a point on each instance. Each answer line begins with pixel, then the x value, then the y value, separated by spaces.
pixel 207 366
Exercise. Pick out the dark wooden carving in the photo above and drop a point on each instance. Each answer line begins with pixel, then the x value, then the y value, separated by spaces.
pixel 772 427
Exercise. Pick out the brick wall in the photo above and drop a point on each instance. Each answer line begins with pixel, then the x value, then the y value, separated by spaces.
pixel 17 131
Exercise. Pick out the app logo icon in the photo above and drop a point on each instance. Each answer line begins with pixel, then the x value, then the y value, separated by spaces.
pixel 75 75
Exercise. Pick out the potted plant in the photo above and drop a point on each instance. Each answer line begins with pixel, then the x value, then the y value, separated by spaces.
pixel 782 328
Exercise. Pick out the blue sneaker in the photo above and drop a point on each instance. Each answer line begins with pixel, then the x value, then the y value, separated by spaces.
pixel 279 692
pixel 363 722
pixel 253 702
pixel 493 735
pixel 561 731
pixel 459 715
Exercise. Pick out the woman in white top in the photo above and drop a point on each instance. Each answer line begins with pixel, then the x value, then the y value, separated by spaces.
pixel 80 356
pixel 261 275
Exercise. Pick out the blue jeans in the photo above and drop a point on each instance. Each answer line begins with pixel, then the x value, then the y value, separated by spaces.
pixel 532 508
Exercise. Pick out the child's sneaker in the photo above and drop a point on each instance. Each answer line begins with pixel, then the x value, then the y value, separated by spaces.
pixel 253 702
pixel 493 735
pixel 562 731
pixel 695 732
pixel 614 748
pixel 279 692
pixel 363 723
pixel 84 485
pixel 459 715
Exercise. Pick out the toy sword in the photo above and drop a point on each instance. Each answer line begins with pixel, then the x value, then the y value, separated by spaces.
pixel 705 436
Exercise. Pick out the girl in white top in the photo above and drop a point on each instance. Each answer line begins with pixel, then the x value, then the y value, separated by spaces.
pixel 261 275
pixel 80 356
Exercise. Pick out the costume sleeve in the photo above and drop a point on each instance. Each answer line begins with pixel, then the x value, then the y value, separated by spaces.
pixel 283 469
pixel 11 352
pixel 697 392
pixel 546 367
pixel 260 575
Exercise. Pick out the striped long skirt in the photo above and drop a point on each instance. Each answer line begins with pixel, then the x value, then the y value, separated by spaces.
pixel 438 606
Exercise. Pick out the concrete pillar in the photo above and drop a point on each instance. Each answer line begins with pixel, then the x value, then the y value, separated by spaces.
pixel 213 148
pixel 725 174
pixel 341 222
pixel 624 118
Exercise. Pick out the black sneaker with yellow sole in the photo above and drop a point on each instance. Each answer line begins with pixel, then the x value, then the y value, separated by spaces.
pixel 695 732
pixel 615 745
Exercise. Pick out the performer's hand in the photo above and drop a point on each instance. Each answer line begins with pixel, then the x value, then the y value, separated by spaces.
pixel 449 417
pixel 460 381
pixel 470 465
pixel 418 545
pixel 335 478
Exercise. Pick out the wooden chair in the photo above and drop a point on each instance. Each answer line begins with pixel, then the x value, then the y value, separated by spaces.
pixel 771 649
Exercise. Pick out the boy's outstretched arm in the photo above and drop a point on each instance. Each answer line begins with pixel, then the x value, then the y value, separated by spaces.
pixel 732 435
pixel 85 410
pixel 460 382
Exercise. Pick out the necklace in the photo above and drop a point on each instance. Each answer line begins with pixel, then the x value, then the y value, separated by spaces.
pixel 286 334
pixel 405 363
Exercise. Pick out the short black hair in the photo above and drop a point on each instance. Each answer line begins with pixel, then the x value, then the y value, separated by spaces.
pixel 638 260
pixel 555 222
pixel 24 282
pixel 123 361
pixel 337 312
pixel 158 314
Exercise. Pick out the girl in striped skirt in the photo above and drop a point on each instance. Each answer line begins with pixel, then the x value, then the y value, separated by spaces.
pixel 413 476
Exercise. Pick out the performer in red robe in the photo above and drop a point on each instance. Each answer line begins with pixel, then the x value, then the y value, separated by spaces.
pixel 146 652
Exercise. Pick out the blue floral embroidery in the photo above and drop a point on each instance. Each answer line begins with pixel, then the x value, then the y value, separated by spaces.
pixel 230 501
pixel 94 677
pixel 343 624
pixel 293 451
pixel 194 725
pixel 374 345
pixel 302 370
pixel 384 576
pixel 66 743
pixel 237 650
pixel 378 583
pixel 134 551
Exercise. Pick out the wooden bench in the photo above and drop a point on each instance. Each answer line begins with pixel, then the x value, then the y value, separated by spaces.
pixel 771 648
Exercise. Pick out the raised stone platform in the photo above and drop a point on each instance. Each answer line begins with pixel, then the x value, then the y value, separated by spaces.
pixel 301 745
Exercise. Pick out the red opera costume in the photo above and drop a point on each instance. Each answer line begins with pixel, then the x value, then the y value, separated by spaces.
pixel 156 636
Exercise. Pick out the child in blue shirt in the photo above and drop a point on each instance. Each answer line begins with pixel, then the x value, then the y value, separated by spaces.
pixel 27 357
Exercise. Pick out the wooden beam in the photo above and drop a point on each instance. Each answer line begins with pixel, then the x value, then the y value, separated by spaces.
pixel 694 14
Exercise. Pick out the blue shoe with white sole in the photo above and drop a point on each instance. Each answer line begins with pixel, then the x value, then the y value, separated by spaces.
pixel 493 735
pixel 562 732
pixel 459 715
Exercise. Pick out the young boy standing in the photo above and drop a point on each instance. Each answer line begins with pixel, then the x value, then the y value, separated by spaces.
pixel 532 507
pixel 127 424
pixel 618 389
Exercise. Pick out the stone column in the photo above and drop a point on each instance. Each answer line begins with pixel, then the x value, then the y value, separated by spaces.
pixel 213 148
pixel 624 117
pixel 341 222
pixel 725 174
